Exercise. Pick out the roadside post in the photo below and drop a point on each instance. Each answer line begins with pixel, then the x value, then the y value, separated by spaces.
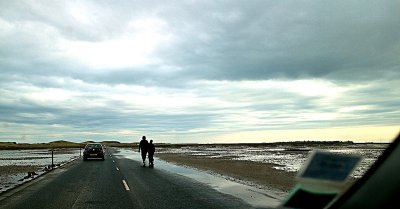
pixel 52 158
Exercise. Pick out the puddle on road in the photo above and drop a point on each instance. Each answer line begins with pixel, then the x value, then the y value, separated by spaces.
pixel 254 196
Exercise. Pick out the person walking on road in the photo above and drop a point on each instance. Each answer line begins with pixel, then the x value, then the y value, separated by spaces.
pixel 152 149
pixel 144 148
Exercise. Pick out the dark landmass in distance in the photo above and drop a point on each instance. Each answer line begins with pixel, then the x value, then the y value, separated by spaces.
pixel 67 144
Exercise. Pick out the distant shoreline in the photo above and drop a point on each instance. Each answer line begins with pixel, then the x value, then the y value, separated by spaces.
pixel 67 144
pixel 56 145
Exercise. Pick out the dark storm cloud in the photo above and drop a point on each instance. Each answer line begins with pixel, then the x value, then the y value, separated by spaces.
pixel 316 39
pixel 237 41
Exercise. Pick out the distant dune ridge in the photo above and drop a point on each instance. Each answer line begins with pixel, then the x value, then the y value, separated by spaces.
pixel 58 144
pixel 68 144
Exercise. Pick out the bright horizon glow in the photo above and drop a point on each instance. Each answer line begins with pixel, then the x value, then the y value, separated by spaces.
pixel 355 134
pixel 160 101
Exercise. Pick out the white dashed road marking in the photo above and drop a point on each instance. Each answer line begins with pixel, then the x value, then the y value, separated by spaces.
pixel 125 185
pixel 117 168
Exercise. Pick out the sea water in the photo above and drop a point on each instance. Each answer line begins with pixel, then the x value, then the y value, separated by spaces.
pixel 39 159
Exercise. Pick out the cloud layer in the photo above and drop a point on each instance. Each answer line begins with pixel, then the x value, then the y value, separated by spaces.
pixel 189 71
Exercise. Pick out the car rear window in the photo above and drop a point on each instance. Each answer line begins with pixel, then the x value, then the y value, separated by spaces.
pixel 91 146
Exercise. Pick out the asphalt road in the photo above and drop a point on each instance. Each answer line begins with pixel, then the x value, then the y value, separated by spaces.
pixel 115 183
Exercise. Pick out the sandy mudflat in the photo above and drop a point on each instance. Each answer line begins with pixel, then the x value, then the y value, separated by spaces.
pixel 246 171
pixel 17 169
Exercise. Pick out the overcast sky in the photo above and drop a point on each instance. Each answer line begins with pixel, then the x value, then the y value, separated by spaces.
pixel 199 71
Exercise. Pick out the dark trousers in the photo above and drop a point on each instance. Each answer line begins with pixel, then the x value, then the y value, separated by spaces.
pixel 144 156
pixel 151 159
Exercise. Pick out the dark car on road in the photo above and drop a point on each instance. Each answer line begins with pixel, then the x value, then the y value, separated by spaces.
pixel 93 151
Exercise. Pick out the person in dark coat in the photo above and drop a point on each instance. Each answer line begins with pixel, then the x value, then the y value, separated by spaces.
pixel 144 147
pixel 152 149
